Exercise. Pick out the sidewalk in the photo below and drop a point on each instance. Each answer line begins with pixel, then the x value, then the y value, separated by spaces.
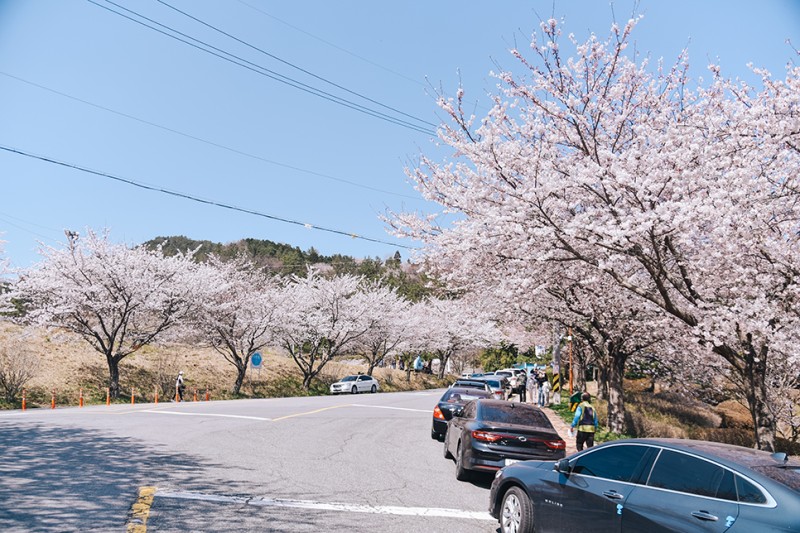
pixel 560 426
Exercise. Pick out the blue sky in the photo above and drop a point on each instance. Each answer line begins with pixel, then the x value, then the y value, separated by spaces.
pixel 89 88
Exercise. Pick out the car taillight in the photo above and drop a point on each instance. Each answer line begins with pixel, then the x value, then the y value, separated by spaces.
pixel 486 436
pixel 437 413
pixel 556 444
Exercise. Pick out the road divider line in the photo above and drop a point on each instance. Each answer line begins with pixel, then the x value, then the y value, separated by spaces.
pixel 179 413
pixel 140 510
pixel 311 412
pixel 389 407
pixel 321 506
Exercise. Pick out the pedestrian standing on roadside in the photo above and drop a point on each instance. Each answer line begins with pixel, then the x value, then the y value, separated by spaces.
pixel 179 386
pixel 545 392
pixel 585 421
pixel 522 386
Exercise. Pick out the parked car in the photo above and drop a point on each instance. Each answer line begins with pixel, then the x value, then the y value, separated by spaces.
pixel 653 485
pixel 490 434
pixel 511 376
pixel 471 384
pixel 498 385
pixel 453 398
pixel 355 384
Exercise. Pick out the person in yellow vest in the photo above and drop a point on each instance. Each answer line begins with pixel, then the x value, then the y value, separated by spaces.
pixel 586 422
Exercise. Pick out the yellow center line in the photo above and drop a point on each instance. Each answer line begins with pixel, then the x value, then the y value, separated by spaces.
pixel 140 510
pixel 312 412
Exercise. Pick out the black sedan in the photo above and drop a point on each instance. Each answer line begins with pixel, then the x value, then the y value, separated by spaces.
pixel 487 435
pixel 453 398
pixel 652 485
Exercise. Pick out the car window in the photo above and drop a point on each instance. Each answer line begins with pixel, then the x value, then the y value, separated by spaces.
pixel 686 473
pixel 620 463
pixel 469 410
pixel 463 395
pixel 749 493
pixel 349 378
pixel 493 383
pixel 364 378
pixel 506 414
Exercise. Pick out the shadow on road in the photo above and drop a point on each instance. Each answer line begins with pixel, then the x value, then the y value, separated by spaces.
pixel 67 479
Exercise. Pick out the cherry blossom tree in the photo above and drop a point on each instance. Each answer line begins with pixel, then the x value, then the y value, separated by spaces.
pixel 117 298
pixel 237 311
pixel 389 324
pixel 319 318
pixel 684 197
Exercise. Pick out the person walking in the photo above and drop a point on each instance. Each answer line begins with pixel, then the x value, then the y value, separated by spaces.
pixel 522 386
pixel 586 422
pixel 532 387
pixel 179 386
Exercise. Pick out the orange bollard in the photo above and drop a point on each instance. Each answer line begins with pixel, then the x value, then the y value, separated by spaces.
pixel 132 396
pixel 108 396
pixel 194 398
pixel 177 394
pixel 156 394
pixel 23 399
pixel 207 394
pixel 80 398
pixel 53 400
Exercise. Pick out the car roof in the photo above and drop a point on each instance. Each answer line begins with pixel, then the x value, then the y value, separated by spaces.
pixel 470 391
pixel 475 382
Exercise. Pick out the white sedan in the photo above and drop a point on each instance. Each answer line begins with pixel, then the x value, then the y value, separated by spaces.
pixel 355 384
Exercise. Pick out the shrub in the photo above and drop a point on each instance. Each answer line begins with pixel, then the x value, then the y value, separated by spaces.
pixel 18 365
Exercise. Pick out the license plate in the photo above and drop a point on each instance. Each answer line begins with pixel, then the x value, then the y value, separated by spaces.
pixel 511 461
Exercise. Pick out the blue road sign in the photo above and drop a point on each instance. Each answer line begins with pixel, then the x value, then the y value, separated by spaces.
pixel 255 361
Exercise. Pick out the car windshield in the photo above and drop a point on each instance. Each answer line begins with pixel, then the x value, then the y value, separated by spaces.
pixel 494 383
pixel 350 378
pixel 513 414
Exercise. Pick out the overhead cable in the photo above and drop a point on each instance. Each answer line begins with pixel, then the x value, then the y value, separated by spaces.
pixel 292 65
pixel 258 69
pixel 211 143
pixel 195 198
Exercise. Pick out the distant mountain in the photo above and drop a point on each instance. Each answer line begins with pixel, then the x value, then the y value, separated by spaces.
pixel 283 259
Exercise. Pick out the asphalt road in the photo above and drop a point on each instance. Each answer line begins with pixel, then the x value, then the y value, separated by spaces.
pixel 332 463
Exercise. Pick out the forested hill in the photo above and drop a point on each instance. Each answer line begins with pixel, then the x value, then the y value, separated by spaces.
pixel 283 259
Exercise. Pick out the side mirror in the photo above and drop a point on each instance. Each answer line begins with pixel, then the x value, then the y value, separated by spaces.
pixel 562 467
pixel 459 411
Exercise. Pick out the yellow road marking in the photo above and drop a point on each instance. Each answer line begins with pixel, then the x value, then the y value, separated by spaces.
pixel 311 412
pixel 140 510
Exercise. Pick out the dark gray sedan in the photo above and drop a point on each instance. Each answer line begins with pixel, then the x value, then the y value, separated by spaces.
pixel 651 485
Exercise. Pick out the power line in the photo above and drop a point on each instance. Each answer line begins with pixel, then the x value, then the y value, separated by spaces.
pixel 258 69
pixel 195 198
pixel 332 45
pixel 290 64
pixel 210 143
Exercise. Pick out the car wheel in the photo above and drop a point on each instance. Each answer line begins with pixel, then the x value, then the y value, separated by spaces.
pixel 374 389
pixel 354 390
pixel 516 514
pixel 462 474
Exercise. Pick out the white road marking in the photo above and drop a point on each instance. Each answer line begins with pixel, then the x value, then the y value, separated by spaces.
pixel 321 506
pixel 161 412
pixel 387 407
pixel 10 414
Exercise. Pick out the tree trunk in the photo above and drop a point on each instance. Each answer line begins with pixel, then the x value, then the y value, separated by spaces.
pixel 755 380
pixel 602 379
pixel 578 374
pixel 307 377
pixel 241 370
pixel 113 376
pixel 442 365
pixel 616 400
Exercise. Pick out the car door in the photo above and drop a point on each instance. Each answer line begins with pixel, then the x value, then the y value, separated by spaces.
pixel 456 425
pixel 364 383
pixel 592 497
pixel 684 492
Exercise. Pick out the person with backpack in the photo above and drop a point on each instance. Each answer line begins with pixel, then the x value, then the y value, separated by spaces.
pixel 586 422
